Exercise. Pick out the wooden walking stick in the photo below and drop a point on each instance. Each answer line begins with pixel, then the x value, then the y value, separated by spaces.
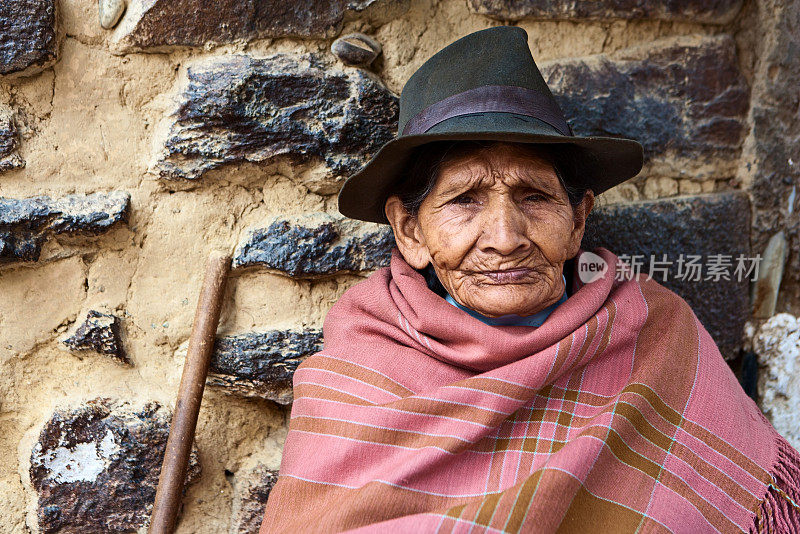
pixel 190 395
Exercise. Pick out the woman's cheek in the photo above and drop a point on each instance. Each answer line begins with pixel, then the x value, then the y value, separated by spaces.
pixel 445 255
pixel 447 243
pixel 551 236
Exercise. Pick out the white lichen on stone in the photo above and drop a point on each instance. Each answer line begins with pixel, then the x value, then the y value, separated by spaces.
pixel 777 344
pixel 82 463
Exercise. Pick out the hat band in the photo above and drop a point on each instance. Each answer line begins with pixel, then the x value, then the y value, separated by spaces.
pixel 490 99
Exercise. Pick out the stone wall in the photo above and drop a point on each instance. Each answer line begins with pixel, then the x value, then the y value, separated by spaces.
pixel 136 138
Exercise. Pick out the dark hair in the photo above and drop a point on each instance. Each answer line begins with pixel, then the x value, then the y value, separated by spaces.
pixel 427 159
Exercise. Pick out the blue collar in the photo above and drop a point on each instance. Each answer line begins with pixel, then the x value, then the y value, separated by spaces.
pixel 512 319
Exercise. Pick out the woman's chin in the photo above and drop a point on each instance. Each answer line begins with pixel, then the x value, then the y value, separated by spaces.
pixel 490 305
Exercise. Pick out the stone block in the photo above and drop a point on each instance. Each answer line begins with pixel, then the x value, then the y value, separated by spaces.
pixel 766 288
pixel 19 246
pixel 95 467
pixel 9 158
pixel 239 109
pixel 251 491
pixel 28 40
pixel 777 344
pixel 110 11
pixel 705 11
pixel 685 100
pixel 356 49
pixel 702 225
pixel 772 167
pixel 102 333
pixel 163 23
pixel 261 364
pixel 26 223
pixel 316 245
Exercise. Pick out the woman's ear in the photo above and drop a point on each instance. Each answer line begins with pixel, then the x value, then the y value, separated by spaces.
pixel 580 214
pixel 407 234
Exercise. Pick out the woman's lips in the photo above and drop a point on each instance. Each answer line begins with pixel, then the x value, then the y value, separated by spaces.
pixel 509 276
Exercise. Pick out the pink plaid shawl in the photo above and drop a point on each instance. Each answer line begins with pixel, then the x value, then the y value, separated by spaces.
pixel 618 414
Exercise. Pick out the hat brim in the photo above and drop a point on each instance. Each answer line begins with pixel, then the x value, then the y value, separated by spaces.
pixel 606 162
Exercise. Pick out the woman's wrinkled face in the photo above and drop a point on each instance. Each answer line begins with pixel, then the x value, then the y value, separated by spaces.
pixel 497 228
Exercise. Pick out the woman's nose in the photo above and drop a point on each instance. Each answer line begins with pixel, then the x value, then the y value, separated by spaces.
pixel 504 229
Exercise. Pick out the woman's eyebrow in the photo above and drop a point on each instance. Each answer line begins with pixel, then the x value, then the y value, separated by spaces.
pixel 535 179
pixel 462 183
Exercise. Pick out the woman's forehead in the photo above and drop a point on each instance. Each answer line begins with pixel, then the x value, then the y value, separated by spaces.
pixel 497 149
pixel 499 161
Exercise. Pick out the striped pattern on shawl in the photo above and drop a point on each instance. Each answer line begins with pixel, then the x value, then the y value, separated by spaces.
pixel 618 414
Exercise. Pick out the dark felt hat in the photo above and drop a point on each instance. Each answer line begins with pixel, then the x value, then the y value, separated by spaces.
pixel 484 86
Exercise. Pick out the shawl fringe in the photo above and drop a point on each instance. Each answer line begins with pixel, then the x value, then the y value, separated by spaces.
pixel 779 512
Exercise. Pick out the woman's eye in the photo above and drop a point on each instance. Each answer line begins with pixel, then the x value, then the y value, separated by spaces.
pixel 463 199
pixel 535 197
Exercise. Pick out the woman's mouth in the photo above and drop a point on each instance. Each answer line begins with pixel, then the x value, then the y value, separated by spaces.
pixel 509 276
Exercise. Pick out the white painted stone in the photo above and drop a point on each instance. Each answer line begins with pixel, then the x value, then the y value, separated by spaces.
pixel 777 344
pixel 82 463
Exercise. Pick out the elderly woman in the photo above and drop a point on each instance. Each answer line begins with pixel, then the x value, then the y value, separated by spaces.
pixel 483 382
